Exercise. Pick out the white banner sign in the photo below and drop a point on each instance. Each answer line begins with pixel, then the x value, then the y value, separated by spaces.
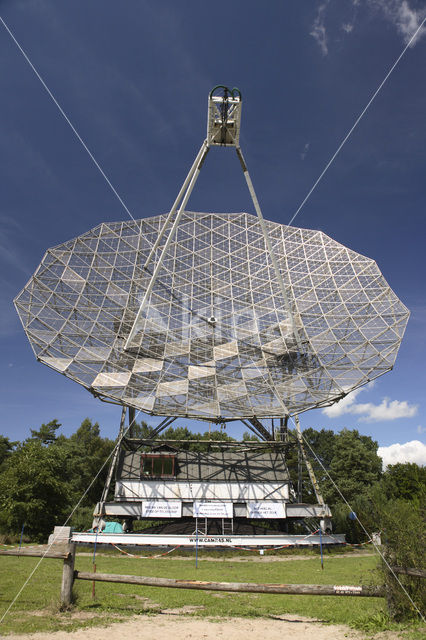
pixel 265 510
pixel 213 510
pixel 161 509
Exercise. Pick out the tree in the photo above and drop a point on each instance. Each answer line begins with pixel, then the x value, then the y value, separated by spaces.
pixel 33 490
pixel 406 481
pixel 319 447
pixel 87 435
pixel 178 433
pixel 47 432
pixel 140 430
pixel 86 468
pixel 344 463
pixel 182 436
pixel 43 478
pixel 404 538
pixel 354 467
pixel 250 437
pixel 216 434
pixel 6 448
pixel 322 443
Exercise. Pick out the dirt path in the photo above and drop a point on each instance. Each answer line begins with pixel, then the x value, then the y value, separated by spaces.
pixel 166 626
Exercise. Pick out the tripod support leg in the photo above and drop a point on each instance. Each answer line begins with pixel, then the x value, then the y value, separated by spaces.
pixel 309 467
pixel 175 204
pixel 100 506
pixel 269 247
pixel 198 164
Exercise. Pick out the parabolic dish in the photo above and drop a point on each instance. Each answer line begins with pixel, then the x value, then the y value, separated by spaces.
pixel 215 339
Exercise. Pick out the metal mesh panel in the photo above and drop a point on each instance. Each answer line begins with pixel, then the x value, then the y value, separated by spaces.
pixel 215 339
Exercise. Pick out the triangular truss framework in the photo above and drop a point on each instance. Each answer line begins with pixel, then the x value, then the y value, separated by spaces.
pixel 215 340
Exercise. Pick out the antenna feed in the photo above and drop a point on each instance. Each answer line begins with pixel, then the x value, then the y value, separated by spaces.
pixel 224 116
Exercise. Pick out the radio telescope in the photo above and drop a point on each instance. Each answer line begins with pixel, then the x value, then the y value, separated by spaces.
pixel 215 316
pixel 218 317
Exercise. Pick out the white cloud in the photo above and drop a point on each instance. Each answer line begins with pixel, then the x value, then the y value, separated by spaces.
pixel 369 412
pixel 421 429
pixel 413 451
pixel 343 406
pixel 386 410
pixel 305 150
pixel 400 13
pixel 406 19
pixel 318 29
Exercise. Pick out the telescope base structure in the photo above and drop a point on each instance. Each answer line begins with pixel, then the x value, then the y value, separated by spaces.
pixel 215 487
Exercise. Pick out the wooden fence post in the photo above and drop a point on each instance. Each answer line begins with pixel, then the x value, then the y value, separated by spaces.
pixel 68 576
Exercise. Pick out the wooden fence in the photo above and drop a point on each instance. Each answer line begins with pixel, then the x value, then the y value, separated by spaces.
pixel 57 552
pixel 69 574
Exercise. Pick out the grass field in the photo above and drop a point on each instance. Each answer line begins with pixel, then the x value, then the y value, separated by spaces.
pixel 37 608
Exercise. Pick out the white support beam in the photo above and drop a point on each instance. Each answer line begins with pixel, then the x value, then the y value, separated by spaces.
pixel 176 203
pixel 203 152
pixel 309 467
pixel 269 248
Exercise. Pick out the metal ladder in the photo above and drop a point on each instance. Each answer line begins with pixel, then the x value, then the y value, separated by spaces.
pixel 227 526
pixel 199 526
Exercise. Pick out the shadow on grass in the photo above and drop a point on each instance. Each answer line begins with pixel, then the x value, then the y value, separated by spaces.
pixel 304 621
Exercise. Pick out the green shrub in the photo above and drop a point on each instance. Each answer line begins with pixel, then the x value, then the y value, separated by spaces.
pixel 404 537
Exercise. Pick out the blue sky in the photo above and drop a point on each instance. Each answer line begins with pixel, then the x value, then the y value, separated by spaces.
pixel 134 77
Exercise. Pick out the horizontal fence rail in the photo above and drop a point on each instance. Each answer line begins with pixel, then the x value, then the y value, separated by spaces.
pixel 59 553
pixel 417 573
pixel 242 587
